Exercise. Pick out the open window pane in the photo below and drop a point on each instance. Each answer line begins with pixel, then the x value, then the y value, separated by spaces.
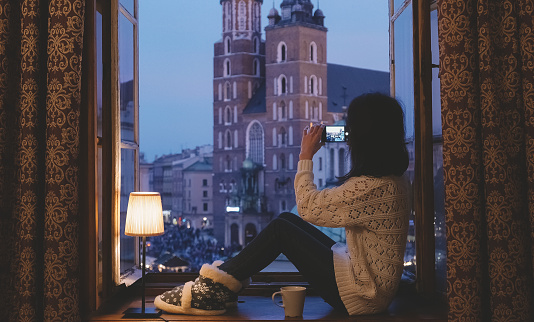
pixel 127 243
pixel 404 92
pixel 129 5
pixel 439 188
pixel 127 70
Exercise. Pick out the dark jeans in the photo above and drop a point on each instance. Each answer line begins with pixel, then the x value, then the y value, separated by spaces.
pixel 303 244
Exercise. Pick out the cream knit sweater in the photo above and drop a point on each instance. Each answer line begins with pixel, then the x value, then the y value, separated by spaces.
pixel 374 213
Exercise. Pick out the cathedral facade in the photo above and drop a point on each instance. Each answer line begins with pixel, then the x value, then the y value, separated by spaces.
pixel 265 93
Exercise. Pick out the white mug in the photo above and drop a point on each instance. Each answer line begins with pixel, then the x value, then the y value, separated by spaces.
pixel 293 300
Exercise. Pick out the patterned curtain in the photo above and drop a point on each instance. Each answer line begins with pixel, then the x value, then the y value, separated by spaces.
pixel 40 78
pixel 487 94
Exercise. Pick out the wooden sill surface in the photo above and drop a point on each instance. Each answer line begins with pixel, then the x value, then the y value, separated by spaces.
pixel 261 308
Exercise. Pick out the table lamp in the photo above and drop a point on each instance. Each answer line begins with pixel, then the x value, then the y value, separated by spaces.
pixel 144 217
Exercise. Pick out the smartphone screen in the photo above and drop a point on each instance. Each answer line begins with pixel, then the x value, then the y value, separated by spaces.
pixel 334 133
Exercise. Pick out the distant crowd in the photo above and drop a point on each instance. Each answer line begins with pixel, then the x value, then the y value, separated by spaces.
pixel 196 246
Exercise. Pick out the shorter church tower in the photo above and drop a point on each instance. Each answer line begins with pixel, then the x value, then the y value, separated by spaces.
pixel 296 95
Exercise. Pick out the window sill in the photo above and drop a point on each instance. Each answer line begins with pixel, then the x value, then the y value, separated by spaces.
pixel 258 306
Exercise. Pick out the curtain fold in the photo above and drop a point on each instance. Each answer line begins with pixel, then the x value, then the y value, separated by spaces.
pixel 487 95
pixel 40 79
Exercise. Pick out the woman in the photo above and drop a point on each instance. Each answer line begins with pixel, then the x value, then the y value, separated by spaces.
pixel 372 205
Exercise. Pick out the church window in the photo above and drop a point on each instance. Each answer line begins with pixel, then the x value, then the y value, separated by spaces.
pixel 275 162
pixel 320 163
pixel 220 115
pixel 291 84
pixel 274 111
pixel 228 164
pixel 220 140
pixel 256 45
pixel 235 113
pixel 242 15
pixel 275 86
pixel 228 141
pixel 256 67
pixel 313 52
pixel 257 18
pixel 305 84
pixel 282 52
pixel 282 85
pixel 274 137
pixel 228 17
pixel 235 164
pixel 290 135
pixel 307 111
pixel 227 115
pixel 282 161
pixel 227 91
pixel 236 141
pixel 320 86
pixel 283 113
pixel 291 161
pixel 283 136
pixel 255 143
pixel 320 111
pixel 283 206
pixel 227 46
pixel 227 70
pixel 332 153
pixel 220 92
pixel 290 110
pixel 313 85
pixel 235 90
pixel 341 162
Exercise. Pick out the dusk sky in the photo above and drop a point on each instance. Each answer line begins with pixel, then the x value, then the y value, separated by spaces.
pixel 176 40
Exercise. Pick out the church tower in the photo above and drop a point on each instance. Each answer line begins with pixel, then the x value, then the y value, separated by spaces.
pixel 239 71
pixel 296 95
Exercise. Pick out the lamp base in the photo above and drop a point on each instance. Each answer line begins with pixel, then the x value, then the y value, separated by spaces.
pixel 137 313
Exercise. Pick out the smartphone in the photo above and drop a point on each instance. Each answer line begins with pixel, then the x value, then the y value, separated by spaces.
pixel 334 133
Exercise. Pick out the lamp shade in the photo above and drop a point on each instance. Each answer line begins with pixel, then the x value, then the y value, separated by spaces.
pixel 144 216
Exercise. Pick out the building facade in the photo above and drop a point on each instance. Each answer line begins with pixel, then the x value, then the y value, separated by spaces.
pixel 197 194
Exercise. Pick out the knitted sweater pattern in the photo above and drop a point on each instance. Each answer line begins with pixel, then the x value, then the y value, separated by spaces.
pixel 374 213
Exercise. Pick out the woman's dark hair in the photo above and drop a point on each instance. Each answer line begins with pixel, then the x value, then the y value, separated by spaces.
pixel 376 139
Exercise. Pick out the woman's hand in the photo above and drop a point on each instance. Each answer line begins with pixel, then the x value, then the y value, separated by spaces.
pixel 311 141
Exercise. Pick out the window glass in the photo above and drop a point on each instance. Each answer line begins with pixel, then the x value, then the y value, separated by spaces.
pixel 129 5
pixel 99 72
pixel 398 4
pixel 439 188
pixel 404 92
pixel 127 243
pixel 127 86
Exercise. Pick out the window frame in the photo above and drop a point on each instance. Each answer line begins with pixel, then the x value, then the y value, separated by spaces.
pixel 111 144
pixel 423 189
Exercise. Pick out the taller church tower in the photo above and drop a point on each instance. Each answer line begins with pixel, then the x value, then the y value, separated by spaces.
pixel 296 82
pixel 239 71
pixel 265 94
